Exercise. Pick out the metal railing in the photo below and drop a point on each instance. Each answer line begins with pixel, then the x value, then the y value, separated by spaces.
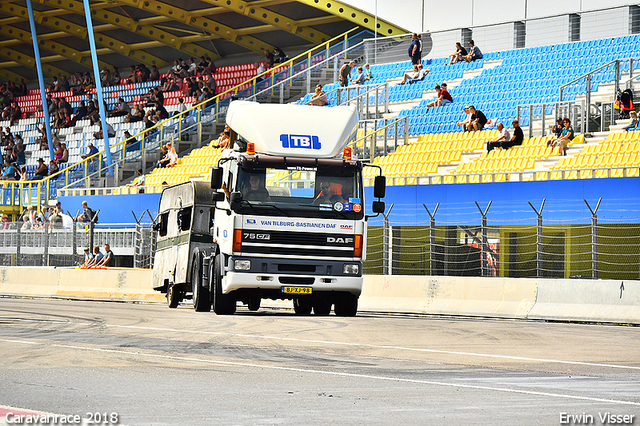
pixel 380 137
pixel 365 97
pixel 516 176
pixel 24 245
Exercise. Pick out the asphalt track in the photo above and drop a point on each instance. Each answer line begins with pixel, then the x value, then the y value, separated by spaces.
pixel 154 366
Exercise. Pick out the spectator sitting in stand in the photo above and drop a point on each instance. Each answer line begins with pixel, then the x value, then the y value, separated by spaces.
pixel 478 119
pixel 172 155
pixel 319 98
pixel 9 172
pixel 135 116
pixel 138 181
pixel 41 172
pixel 203 64
pixel 270 59
pixel 367 72
pixel 115 78
pixel 154 74
pixel 92 151
pixel 15 113
pixel 65 154
pixel 20 153
pixel 191 67
pixel 123 108
pixel 557 128
pixel 164 158
pixel 160 113
pixel 517 138
pixel 131 144
pixel 279 55
pixel 418 74
pixel 443 96
pixel 105 77
pixel 359 78
pixel 633 123
pixel 458 55
pixel 224 141
pixel 81 112
pixel 53 169
pixel 502 137
pixel 110 132
pixel 566 137
pixel 93 114
pixel 474 52
pixel 131 79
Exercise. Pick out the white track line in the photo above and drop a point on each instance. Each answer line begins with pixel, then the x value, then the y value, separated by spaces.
pixel 367 345
pixel 333 373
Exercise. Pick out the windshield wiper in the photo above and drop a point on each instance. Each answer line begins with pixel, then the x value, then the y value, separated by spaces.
pixel 281 210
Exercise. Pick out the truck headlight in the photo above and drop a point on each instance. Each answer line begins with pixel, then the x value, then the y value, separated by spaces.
pixel 350 269
pixel 242 265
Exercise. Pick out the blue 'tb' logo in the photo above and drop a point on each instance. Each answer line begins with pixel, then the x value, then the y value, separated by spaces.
pixel 300 141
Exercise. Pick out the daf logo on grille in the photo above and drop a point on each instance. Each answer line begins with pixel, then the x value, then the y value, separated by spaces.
pixel 340 240
pixel 254 236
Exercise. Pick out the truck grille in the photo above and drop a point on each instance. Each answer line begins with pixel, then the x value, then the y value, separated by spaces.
pixel 298 243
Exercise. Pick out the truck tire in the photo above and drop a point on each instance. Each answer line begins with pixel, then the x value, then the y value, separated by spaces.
pixel 322 306
pixel 346 305
pixel 303 305
pixel 254 304
pixel 173 296
pixel 223 304
pixel 201 295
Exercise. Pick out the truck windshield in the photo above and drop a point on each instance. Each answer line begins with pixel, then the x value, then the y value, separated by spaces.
pixel 328 191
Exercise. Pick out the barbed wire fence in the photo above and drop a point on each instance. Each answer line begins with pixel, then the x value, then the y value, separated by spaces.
pixel 471 240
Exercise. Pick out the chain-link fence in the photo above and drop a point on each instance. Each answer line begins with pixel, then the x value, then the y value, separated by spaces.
pixel 22 244
pixel 525 245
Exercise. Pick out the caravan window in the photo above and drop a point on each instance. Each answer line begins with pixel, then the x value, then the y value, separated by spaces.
pixel 184 218
pixel 162 226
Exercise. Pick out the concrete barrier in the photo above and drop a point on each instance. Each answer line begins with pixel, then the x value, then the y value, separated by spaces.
pixel 105 284
pixel 491 297
pixel 588 300
pixel 546 299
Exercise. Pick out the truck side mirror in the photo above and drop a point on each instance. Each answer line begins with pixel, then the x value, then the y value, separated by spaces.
pixel 378 207
pixel 216 178
pixel 234 199
pixel 379 187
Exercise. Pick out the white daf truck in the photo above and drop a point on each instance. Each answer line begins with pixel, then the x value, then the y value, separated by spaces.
pixel 288 212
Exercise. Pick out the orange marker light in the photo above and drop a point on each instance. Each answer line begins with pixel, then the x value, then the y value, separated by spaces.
pixel 357 249
pixel 251 148
pixel 347 153
pixel 237 240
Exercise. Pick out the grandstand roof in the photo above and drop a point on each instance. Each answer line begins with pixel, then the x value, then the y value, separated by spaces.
pixel 129 32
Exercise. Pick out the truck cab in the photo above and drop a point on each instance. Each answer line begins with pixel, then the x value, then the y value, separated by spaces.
pixel 288 203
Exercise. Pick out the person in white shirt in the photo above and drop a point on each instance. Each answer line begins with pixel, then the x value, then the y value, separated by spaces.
pixel 502 137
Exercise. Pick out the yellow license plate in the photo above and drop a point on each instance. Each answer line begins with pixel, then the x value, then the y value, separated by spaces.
pixel 296 290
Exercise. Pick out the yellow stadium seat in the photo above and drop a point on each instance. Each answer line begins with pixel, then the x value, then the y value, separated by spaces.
pixel 555 176
pixel 633 172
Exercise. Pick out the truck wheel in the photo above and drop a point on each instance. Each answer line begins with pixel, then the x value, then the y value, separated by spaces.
pixel 322 306
pixel 223 304
pixel 254 304
pixel 346 305
pixel 302 306
pixel 173 296
pixel 201 295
